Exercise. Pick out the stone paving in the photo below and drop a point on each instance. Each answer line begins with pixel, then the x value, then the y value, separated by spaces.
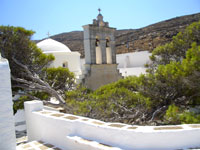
pixel 37 145
pixel 21 140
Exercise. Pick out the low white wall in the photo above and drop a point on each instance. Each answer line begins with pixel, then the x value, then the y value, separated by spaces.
pixel 7 128
pixel 61 129
pixel 136 71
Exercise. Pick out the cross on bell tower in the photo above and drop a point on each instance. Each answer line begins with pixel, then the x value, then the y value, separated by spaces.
pixel 99 11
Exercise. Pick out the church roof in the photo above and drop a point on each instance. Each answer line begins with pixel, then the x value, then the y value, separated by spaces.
pixel 52 46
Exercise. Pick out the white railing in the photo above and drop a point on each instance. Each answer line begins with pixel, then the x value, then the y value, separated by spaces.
pixel 74 132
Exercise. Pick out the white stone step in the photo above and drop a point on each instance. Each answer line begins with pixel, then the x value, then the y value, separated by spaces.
pixel 86 144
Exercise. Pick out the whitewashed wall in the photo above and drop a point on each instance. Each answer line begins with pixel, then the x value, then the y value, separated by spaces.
pixel 74 132
pixel 7 128
pixel 135 59
pixel 73 59
pixel 130 64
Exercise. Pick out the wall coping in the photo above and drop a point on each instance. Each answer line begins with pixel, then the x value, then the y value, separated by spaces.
pixel 117 125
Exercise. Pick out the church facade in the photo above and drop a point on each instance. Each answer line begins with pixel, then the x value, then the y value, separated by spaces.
pixel 64 57
pixel 100 54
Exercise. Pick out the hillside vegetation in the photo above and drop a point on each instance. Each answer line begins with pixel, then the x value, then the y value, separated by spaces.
pixel 130 40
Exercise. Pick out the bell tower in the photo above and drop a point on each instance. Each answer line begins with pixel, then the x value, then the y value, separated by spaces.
pixel 100 55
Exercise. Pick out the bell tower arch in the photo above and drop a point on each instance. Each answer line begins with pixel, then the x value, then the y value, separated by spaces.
pixel 99 47
pixel 99 36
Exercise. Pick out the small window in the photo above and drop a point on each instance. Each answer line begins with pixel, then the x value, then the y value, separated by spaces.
pixel 65 64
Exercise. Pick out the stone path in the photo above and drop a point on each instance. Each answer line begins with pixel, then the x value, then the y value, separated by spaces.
pixel 37 145
pixel 21 140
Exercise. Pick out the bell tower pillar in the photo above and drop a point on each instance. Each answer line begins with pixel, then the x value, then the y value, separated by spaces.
pixel 100 55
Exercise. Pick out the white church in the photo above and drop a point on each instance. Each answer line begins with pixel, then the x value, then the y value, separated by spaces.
pixel 129 64
pixel 64 57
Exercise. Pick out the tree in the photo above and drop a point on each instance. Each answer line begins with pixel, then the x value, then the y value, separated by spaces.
pixel 169 79
pixel 173 77
pixel 29 65
pixel 60 79
pixel 176 50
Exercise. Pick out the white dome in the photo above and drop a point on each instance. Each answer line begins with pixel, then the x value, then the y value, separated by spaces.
pixel 52 46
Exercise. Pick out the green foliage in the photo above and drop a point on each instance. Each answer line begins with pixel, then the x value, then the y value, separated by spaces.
pixel 165 93
pixel 176 50
pixel 40 95
pixel 109 102
pixel 175 115
pixel 182 77
pixel 40 60
pixel 60 78
pixel 15 43
pixel 78 100
pixel 130 83
pixel 176 82
pixel 81 93
pixel 29 67
pixel 19 104
pixel 189 118
pixel 112 98
pixel 171 115
pixel 174 72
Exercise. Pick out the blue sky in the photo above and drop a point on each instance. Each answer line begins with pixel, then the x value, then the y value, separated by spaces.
pixel 58 16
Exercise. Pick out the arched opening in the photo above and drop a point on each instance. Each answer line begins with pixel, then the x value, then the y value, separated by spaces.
pixel 65 64
pixel 108 52
pixel 98 53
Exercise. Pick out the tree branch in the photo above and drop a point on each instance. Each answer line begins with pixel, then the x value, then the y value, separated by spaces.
pixel 26 94
pixel 38 84
pixel 156 112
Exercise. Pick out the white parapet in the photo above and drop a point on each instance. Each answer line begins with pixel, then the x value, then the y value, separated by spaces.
pixel 75 132
pixel 31 125
pixel 7 128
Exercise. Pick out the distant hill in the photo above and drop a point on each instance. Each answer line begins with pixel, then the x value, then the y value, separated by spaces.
pixel 130 40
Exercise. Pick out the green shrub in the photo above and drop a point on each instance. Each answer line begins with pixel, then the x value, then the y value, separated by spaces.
pixel 171 115
pixel 174 115
pixel 19 104
pixel 189 118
